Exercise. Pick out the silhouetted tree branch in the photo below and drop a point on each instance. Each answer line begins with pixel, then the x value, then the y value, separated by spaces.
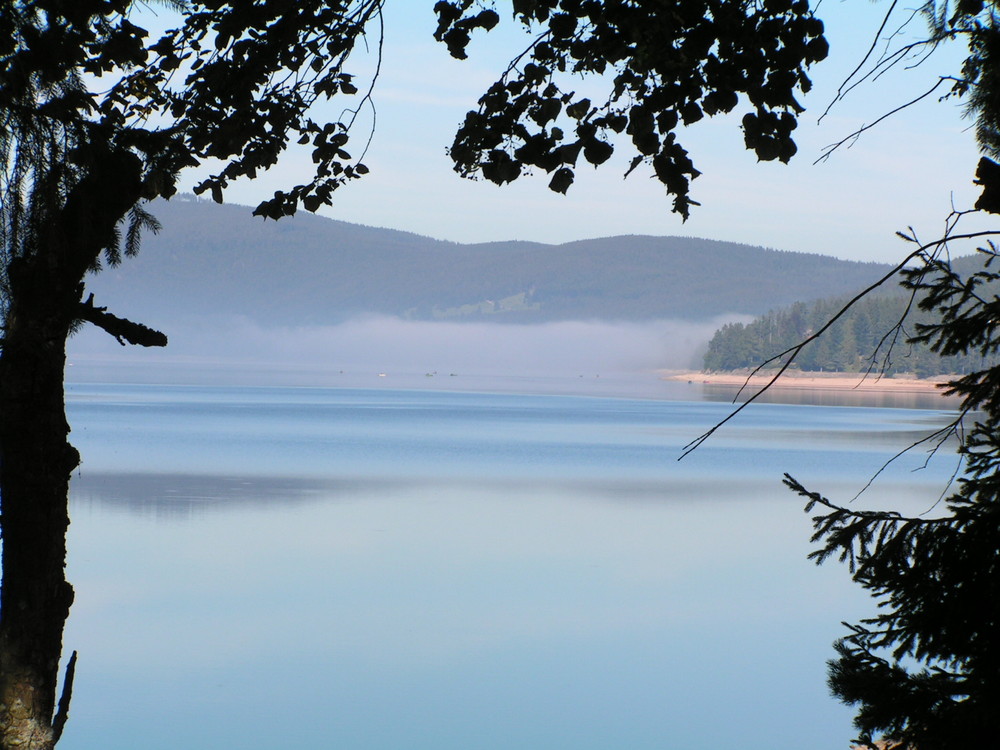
pixel 787 357
pixel 125 331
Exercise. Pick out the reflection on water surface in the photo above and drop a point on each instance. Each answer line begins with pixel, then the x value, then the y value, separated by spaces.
pixel 412 569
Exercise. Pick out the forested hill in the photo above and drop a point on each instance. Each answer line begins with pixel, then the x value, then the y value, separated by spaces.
pixel 211 259
pixel 849 345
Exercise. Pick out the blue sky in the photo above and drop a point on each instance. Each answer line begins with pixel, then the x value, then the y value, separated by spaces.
pixel 908 171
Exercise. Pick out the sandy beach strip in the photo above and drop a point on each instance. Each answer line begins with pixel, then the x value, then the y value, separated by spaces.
pixel 827 381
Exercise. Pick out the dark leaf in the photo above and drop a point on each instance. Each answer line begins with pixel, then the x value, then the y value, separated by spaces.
pixel 561 180
pixel 597 152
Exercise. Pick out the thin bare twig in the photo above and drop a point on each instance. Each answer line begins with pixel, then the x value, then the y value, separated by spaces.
pixel 841 93
pixel 854 136
pixel 793 351
pixel 942 434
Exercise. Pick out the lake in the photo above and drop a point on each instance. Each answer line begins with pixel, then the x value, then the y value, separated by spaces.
pixel 453 564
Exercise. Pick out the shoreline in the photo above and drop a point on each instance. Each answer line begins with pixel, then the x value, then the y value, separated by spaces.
pixel 834 381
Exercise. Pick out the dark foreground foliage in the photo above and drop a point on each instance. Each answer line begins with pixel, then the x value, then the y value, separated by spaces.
pixel 924 672
pixel 664 64
pixel 98 116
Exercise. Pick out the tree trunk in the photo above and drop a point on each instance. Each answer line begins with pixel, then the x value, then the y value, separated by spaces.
pixel 36 460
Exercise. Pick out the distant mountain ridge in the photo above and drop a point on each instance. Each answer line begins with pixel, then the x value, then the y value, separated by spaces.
pixel 309 270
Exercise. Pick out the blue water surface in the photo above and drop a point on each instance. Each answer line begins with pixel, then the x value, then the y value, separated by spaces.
pixel 383 568
pixel 323 432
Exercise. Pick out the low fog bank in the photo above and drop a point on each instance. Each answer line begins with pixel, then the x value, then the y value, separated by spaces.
pixel 231 350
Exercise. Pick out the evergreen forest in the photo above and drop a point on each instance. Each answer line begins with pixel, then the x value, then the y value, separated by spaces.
pixel 874 333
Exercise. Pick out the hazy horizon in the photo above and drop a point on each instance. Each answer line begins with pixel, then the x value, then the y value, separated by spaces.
pixel 374 344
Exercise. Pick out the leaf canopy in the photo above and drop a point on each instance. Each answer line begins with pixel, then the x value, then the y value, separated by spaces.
pixel 662 65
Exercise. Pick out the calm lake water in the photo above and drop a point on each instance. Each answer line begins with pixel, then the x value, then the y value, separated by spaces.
pixel 402 568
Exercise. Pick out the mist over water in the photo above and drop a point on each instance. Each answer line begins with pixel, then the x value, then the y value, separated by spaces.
pixel 379 344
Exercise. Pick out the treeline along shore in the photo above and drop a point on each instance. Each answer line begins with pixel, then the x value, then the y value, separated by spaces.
pixel 870 334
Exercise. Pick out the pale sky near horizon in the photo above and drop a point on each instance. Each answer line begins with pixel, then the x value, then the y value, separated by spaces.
pixel 908 171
